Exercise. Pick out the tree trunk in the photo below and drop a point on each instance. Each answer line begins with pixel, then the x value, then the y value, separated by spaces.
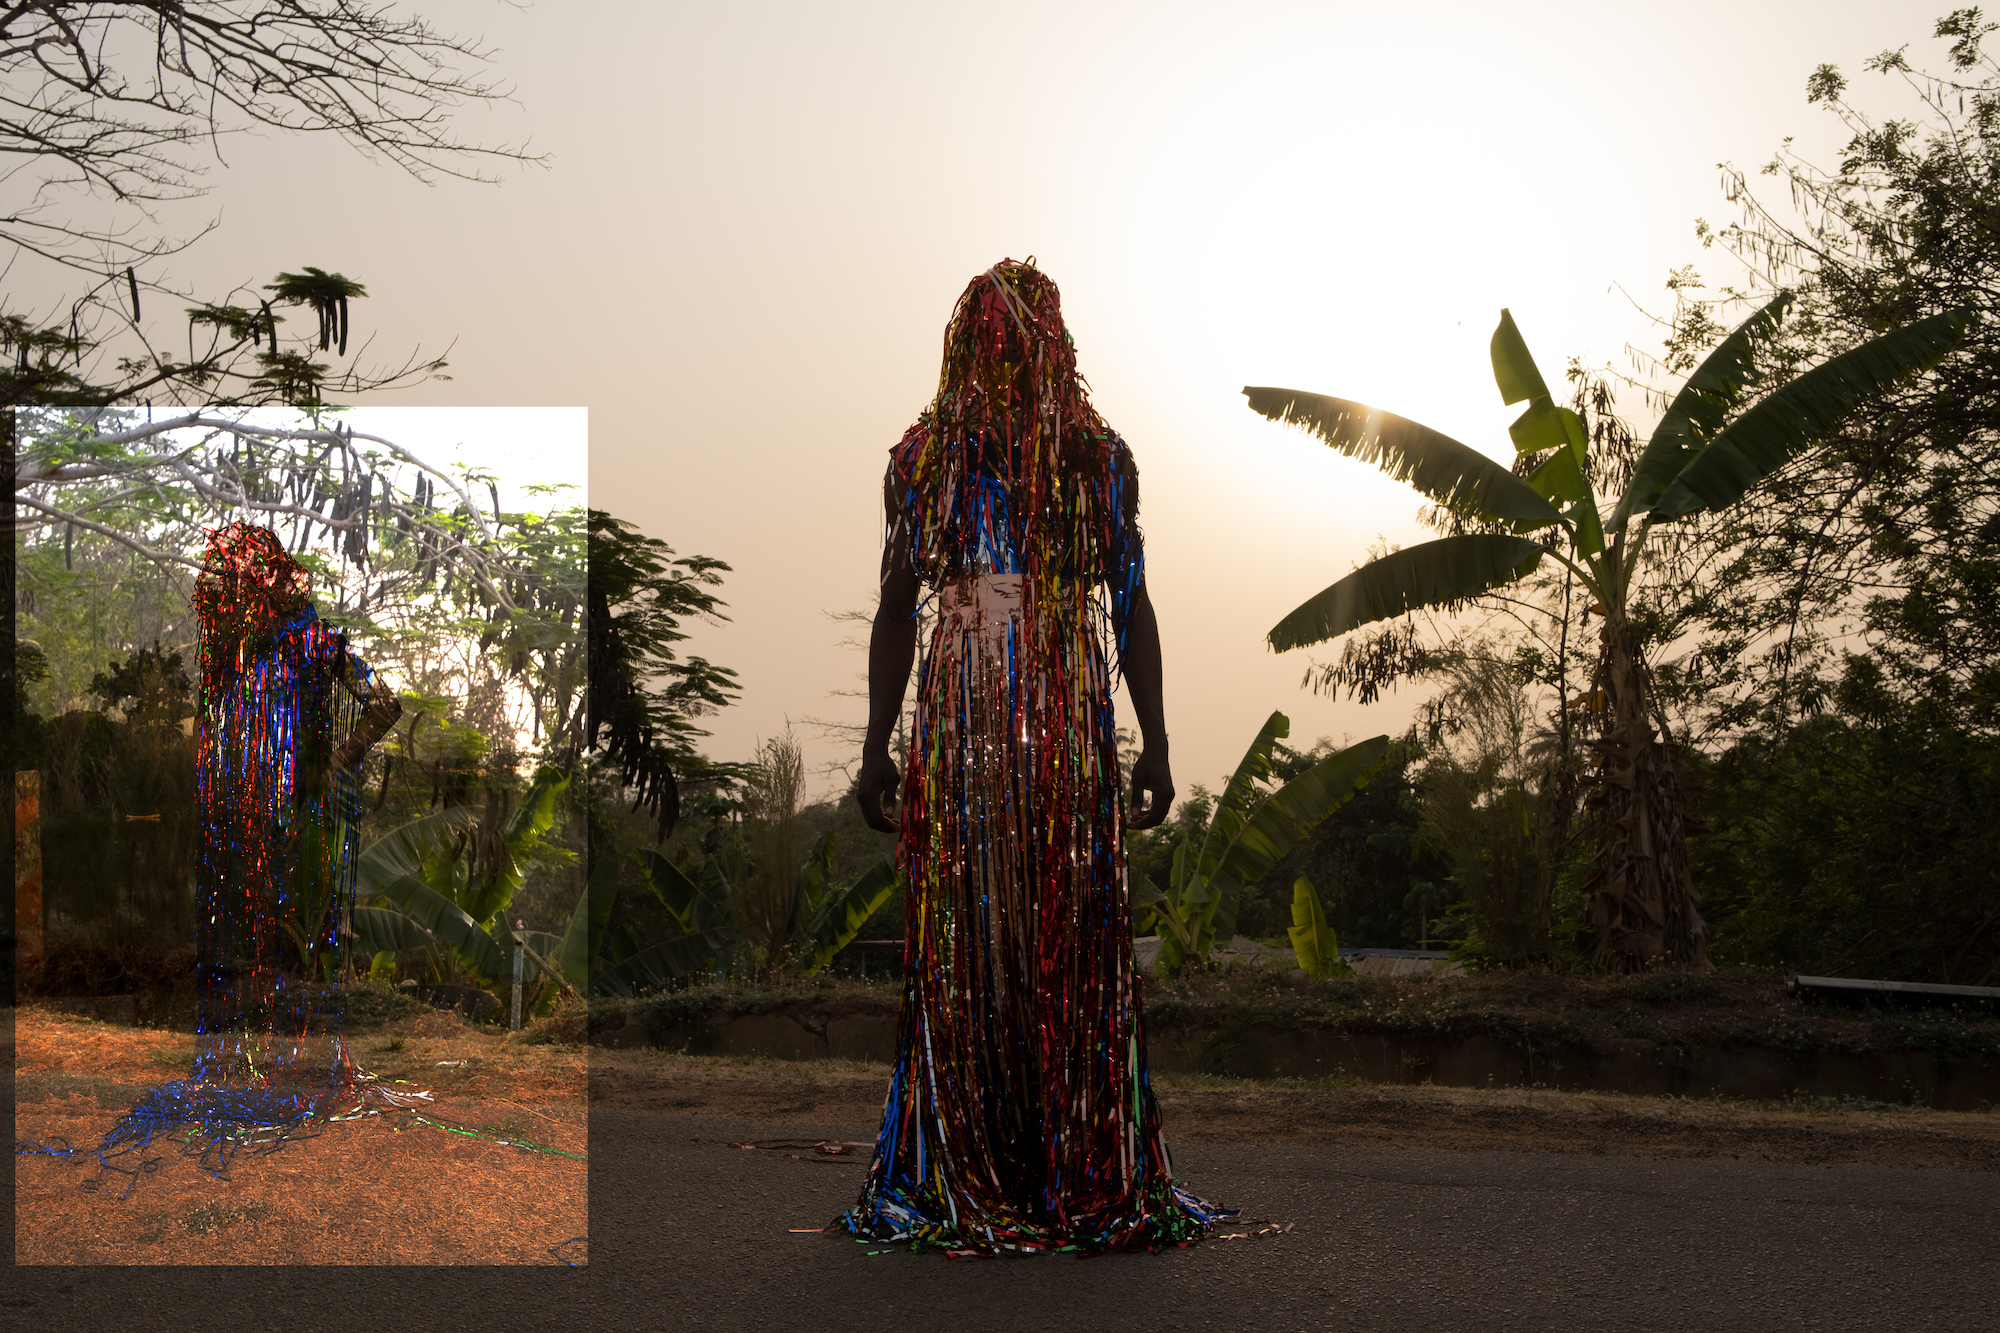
pixel 1640 912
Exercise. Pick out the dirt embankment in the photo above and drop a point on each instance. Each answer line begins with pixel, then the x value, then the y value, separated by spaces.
pixel 848 1095
pixel 1734 1034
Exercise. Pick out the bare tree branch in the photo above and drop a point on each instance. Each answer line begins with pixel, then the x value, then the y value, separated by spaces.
pixel 124 539
pixel 287 484
pixel 126 101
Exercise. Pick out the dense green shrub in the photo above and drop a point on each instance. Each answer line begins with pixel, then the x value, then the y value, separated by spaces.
pixel 1858 850
pixel 373 1003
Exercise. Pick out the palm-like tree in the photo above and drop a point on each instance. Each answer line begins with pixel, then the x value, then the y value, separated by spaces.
pixel 1708 450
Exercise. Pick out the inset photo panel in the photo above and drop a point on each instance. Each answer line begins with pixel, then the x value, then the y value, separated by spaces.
pixel 301 923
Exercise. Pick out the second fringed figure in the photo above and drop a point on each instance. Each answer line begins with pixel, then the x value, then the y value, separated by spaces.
pixel 276 784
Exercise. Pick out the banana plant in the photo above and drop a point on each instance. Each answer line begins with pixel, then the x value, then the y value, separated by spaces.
pixel 1246 836
pixel 826 918
pixel 1313 940
pixel 448 878
pixel 582 942
pixel 830 916
pixel 1713 445
pixel 565 963
pixel 315 872
pixel 703 912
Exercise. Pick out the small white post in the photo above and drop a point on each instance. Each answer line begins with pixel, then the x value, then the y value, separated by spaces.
pixel 519 940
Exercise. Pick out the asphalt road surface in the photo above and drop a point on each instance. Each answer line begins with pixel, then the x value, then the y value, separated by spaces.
pixel 697 1232
pixel 687 1233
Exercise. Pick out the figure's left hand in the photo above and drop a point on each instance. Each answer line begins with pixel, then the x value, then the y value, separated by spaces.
pixel 1150 776
pixel 384 708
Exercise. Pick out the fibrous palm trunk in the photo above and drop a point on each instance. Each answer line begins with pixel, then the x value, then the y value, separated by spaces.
pixel 1640 912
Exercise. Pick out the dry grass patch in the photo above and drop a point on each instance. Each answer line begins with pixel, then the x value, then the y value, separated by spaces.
pixel 374 1191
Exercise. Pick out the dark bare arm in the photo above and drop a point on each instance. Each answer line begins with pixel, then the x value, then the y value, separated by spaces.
pixel 892 648
pixel 1139 660
pixel 383 710
pixel 1141 665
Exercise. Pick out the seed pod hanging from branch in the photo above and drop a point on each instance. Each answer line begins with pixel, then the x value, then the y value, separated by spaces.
pixel 327 294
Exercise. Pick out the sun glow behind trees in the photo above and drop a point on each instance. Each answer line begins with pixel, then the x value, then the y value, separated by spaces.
pixel 761 215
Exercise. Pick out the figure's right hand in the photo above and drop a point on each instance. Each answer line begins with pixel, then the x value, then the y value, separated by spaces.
pixel 876 789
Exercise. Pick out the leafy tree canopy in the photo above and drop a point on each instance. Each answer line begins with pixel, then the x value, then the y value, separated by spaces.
pixel 1882 544
pixel 644 697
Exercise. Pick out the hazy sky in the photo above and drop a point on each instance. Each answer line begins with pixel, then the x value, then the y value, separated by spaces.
pixel 523 446
pixel 757 218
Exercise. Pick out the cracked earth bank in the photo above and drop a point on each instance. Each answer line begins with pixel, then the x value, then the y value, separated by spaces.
pixel 1821 1131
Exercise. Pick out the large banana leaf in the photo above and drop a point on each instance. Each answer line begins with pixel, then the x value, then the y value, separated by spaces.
pixel 1295 809
pixel 702 907
pixel 315 871
pixel 715 914
pixel 699 904
pixel 676 892
pixel 1457 476
pixel 1429 574
pixel 1175 918
pixel 1313 940
pixel 1232 809
pixel 1547 426
pixel 1589 528
pixel 1246 837
pixel 1178 910
pixel 657 964
pixel 1726 374
pixel 583 936
pixel 1543 425
pixel 401 851
pixel 1513 369
pixel 531 819
pixel 1560 477
pixel 1699 409
pixel 815 874
pixel 445 919
pixel 386 930
pixel 1803 412
pixel 1220 922
pixel 843 912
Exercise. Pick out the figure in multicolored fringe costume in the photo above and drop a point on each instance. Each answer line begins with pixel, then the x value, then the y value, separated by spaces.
pixel 280 819
pixel 280 813
pixel 279 803
pixel 1019 1116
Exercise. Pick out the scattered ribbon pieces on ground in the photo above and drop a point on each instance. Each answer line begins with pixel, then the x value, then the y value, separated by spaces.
pixel 210 1124
pixel 1263 1229
pixel 821 1150
pixel 214 1124
pixel 1268 1229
